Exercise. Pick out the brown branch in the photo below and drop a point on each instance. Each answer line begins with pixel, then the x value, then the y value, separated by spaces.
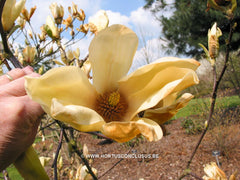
pixel 75 149
pixel 54 165
pixel 7 50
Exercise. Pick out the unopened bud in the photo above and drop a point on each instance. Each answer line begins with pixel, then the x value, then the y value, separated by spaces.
pixel 213 45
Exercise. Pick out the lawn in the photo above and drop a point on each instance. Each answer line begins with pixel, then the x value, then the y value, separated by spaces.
pixel 200 105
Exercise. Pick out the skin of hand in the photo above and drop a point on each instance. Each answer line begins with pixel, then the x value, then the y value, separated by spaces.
pixel 19 116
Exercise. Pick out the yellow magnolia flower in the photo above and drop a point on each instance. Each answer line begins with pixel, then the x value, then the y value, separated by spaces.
pixel 11 11
pixel 29 54
pixel 44 160
pixel 21 22
pixel 80 15
pixel 57 12
pixel 98 22
pixel 213 172
pixel 112 102
pixel 68 22
pixel 51 28
pixel 83 173
pixel 27 15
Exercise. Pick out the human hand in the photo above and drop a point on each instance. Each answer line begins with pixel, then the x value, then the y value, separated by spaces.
pixel 19 116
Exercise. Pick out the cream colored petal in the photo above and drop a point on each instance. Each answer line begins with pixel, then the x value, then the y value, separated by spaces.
pixel 163 114
pixel 111 53
pixel 148 85
pixel 100 20
pixel 125 131
pixel 79 117
pixel 7 20
pixel 17 9
pixel 69 85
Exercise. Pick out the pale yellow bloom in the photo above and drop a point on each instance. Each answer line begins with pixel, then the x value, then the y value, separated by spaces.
pixel 21 22
pixel 80 15
pixel 98 22
pixel 29 54
pixel 112 102
pixel 213 172
pixel 70 54
pixel 57 12
pixel 44 160
pixel 84 175
pixel 27 15
pixel 51 28
pixel 85 150
pixel 68 22
pixel 87 68
pixel 11 11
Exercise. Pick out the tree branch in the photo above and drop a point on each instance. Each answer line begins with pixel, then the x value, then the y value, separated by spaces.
pixel 8 52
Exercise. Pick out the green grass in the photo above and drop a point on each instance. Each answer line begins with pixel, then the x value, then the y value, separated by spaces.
pixel 13 173
pixel 201 105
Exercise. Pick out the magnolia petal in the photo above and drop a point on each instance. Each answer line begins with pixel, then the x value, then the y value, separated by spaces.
pixel 100 20
pixel 17 9
pixel 148 85
pixel 79 117
pixel 125 131
pixel 163 114
pixel 69 85
pixel 111 53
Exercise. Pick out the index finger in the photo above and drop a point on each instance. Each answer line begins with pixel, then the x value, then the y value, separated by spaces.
pixel 16 87
pixel 15 74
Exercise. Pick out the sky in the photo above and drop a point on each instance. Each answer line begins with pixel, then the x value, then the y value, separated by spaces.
pixel 127 12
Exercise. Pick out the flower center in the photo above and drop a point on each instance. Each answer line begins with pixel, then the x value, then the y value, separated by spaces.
pixel 112 106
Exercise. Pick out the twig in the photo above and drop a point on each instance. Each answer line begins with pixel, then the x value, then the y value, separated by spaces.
pixel 54 165
pixel 194 175
pixel 50 124
pixel 214 93
pixel 85 161
pixel 10 55
pixel 75 149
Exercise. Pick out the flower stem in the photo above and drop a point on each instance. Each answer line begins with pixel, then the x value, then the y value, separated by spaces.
pixel 216 83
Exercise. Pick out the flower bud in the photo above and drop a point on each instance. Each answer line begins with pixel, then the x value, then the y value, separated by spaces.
pixel 213 45
pixel 84 174
pixel 21 22
pixel 11 11
pixel 68 22
pixel 29 54
pixel 44 160
pixel 98 22
pixel 85 150
pixel 26 15
pixel 51 28
pixel 57 12
pixel 30 34
pixel 83 28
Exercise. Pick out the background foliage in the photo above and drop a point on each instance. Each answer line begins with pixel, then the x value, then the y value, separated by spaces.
pixel 189 25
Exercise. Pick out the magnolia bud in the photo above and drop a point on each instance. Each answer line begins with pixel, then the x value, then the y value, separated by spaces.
pixel 213 45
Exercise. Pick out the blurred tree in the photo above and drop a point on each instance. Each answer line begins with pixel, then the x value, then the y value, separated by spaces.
pixel 189 23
